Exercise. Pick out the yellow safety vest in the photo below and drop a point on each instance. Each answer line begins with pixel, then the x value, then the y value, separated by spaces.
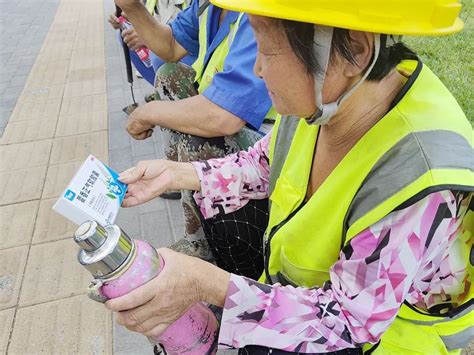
pixel 421 145
pixel 205 73
pixel 151 5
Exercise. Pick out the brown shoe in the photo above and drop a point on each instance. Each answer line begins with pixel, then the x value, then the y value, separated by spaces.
pixel 152 97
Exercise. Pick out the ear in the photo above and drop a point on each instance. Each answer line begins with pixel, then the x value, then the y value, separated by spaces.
pixel 362 48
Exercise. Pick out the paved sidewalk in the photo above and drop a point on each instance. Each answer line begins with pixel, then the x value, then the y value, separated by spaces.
pixel 67 107
pixel 60 117
pixel 24 26
pixel 160 222
pixel 62 87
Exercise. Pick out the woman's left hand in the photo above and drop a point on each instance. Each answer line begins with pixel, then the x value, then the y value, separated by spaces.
pixel 138 125
pixel 151 308
pixel 132 39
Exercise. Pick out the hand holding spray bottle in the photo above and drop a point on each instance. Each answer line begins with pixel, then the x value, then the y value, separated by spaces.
pixel 143 52
pixel 120 264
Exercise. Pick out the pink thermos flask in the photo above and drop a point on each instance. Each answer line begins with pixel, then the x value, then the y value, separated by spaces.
pixel 120 264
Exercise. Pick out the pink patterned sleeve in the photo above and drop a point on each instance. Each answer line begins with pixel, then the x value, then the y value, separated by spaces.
pixel 380 268
pixel 228 183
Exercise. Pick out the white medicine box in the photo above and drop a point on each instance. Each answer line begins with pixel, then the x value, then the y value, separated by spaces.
pixel 94 193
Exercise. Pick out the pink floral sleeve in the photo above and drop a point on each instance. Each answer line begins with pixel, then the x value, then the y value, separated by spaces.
pixel 228 183
pixel 408 255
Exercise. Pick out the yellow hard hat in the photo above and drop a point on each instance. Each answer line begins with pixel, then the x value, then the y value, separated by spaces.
pixel 397 17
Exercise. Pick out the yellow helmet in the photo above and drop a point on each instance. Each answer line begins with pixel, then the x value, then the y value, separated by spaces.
pixel 397 17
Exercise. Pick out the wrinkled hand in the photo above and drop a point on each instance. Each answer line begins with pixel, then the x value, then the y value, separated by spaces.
pixel 132 40
pixel 137 126
pixel 147 180
pixel 151 308
pixel 114 22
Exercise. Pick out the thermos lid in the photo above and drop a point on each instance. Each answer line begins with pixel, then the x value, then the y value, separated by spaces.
pixel 103 249
pixel 90 236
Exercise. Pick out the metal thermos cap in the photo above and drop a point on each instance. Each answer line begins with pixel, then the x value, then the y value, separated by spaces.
pixel 103 249
pixel 90 236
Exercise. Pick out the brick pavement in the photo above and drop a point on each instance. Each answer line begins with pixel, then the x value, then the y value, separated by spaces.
pixel 60 116
pixel 160 222
pixel 23 32
pixel 68 106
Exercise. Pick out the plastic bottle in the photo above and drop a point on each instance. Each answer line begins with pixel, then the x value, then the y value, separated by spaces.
pixel 120 264
pixel 142 52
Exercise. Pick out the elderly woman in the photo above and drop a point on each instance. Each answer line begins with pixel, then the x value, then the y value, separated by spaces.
pixel 369 170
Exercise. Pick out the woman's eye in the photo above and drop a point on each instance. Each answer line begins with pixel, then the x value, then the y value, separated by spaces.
pixel 267 54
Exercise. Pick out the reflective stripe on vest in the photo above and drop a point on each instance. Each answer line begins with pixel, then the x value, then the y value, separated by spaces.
pixel 458 340
pixel 421 145
pixel 405 163
pixel 205 72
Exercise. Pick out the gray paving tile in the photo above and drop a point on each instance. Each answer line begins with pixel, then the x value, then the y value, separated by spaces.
pixel 34 48
pixel 115 61
pixel 18 80
pixel 144 147
pixel 5 115
pixel 150 221
pixel 121 159
pixel 155 205
pixel 130 343
pixel 13 61
pixel 24 68
pixel 9 102
pixel 7 75
pixel 129 220
pixel 116 104
pixel 117 119
pixel 114 80
pixel 116 91
pixel 137 158
pixel 28 25
pixel 13 91
pixel 5 51
pixel 118 138
pixel 156 229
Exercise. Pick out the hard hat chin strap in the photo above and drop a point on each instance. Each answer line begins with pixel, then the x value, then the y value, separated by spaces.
pixel 323 42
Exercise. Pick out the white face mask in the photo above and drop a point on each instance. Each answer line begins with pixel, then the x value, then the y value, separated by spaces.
pixel 322 45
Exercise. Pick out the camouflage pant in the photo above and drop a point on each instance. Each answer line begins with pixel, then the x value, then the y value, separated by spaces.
pixel 176 82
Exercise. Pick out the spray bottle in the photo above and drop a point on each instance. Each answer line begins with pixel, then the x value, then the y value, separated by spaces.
pixel 120 264
pixel 143 52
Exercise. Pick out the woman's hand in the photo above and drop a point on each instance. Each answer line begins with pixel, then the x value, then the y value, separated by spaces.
pixel 147 180
pixel 137 126
pixel 132 39
pixel 150 178
pixel 151 308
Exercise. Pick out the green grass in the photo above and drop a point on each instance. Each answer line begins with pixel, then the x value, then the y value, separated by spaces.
pixel 452 59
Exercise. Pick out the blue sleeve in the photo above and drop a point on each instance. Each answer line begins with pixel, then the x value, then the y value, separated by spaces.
pixel 185 29
pixel 236 89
